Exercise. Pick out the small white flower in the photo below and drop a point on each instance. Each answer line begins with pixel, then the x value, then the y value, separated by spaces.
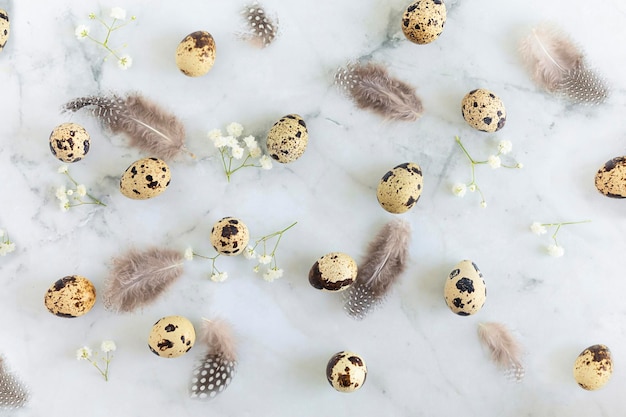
pixel 188 255
pixel 125 62
pixel 61 193
pixel 215 134
pixel 459 189
pixel 494 161
pixel 265 259
pixel 108 346
pixel 63 169
pixel 2 233
pixel 538 228
pixel 82 31
pixel 219 141
pixel 272 274
pixel 231 141
pixel 255 152
pixel 219 276
pixel 64 205
pixel 70 192
pixel 266 162
pixel 249 253
pixel 519 165
pixel 505 146
pixel 555 250
pixel 237 152
pixel 6 247
pixel 234 129
pixel 83 353
pixel 250 142
pixel 483 204
pixel 472 187
pixel 81 190
pixel 118 13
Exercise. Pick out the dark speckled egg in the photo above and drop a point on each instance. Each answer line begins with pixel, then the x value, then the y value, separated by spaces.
pixel 195 54
pixel 400 188
pixel 145 178
pixel 346 371
pixel 287 139
pixel 5 28
pixel 483 110
pixel 423 20
pixel 71 296
pixel 69 142
pixel 593 367
pixel 171 337
pixel 611 178
pixel 230 236
pixel 465 291
pixel 334 271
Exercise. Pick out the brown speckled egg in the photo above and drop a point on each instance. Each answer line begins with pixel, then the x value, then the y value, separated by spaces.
pixel 69 142
pixel 335 271
pixel 171 337
pixel 230 236
pixel 611 178
pixel 287 139
pixel 346 371
pixel 593 367
pixel 195 54
pixel 483 110
pixel 5 28
pixel 465 291
pixel 400 188
pixel 145 178
pixel 423 21
pixel 71 296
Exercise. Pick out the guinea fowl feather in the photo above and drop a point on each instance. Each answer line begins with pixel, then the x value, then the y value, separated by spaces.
pixel 13 394
pixel 217 368
pixel 384 262
pixel 372 88
pixel 148 126
pixel 137 278
pixel 557 64
pixel 505 351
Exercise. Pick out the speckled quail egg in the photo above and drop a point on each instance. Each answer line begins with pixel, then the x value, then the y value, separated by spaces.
pixel 287 139
pixel 71 296
pixel 335 271
pixel 483 110
pixel 346 371
pixel 145 178
pixel 230 236
pixel 195 54
pixel 5 28
pixel 171 337
pixel 465 291
pixel 593 367
pixel 400 188
pixel 611 178
pixel 423 21
pixel 69 142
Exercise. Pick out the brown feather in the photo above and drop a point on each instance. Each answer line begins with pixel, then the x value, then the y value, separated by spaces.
pixel 13 394
pixel 262 30
pixel 149 127
pixel 556 64
pixel 216 370
pixel 384 262
pixel 372 88
pixel 505 351
pixel 137 278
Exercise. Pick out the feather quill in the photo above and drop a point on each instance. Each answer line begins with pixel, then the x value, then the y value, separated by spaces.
pixel 557 65
pixel 149 127
pixel 372 88
pixel 13 394
pixel 217 368
pixel 504 349
pixel 384 262
pixel 137 278
pixel 262 29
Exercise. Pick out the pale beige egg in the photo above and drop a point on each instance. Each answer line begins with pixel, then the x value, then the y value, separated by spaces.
pixel 423 20
pixel 70 296
pixel 171 337
pixel 5 28
pixel 287 139
pixel 483 110
pixel 465 291
pixel 145 178
pixel 69 142
pixel 400 188
pixel 593 367
pixel 195 54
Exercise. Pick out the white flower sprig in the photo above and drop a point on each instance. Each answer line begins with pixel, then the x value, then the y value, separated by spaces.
pixel 72 197
pixel 553 249
pixel 266 260
pixel 124 61
pixel 85 353
pixel 216 275
pixel 494 161
pixel 6 246
pixel 234 148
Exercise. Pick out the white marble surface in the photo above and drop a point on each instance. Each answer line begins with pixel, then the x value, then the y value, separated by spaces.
pixel 422 359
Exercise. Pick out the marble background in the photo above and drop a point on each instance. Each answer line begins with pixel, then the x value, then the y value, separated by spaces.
pixel 422 359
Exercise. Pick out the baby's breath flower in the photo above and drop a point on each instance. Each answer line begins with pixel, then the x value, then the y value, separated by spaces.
pixel 494 161
pixel 70 192
pixel 81 190
pixel 472 187
pixel 519 165
pixel 219 276
pixel 255 152
pixel 483 204
pixel 108 346
pixel 63 169
pixel 6 247
pixel 83 353
pixel 250 142
pixel 118 13
pixel 125 61
pixel 64 206
pixel 219 142
pixel 505 146
pixel 237 152
pixel 61 193
pixel 459 189
pixel 555 250
pixel 81 32
pixel 77 195
pixel 266 162
pixel 92 16
pixel 249 253
pixel 265 259
pixel 188 255
pixel 231 141
pixel 234 129
pixel 256 269
pixel 2 233
pixel 272 274
pixel 214 134
pixel 538 228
